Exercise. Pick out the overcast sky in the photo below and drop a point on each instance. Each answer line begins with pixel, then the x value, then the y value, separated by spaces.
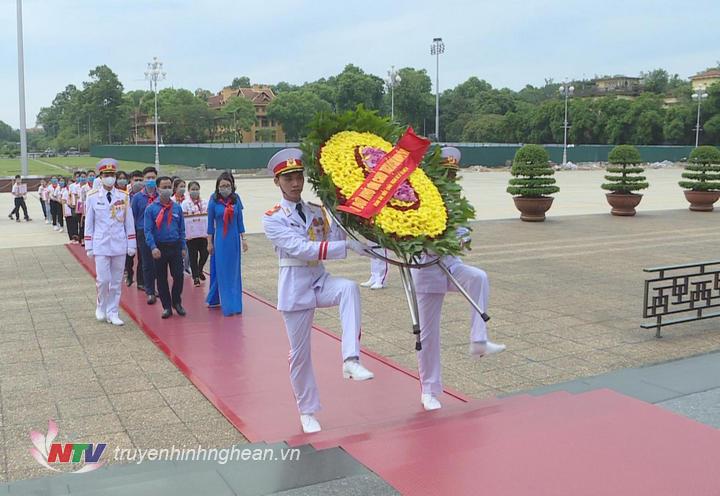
pixel 206 43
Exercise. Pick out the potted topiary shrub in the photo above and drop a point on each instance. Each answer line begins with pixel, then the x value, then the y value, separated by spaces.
pixel 532 184
pixel 624 165
pixel 702 189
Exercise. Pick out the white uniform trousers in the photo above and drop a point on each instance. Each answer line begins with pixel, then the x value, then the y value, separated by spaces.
pixel 475 282
pixel 379 268
pixel 335 291
pixel 108 281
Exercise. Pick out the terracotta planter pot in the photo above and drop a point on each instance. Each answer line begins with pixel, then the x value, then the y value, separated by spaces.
pixel 623 204
pixel 533 209
pixel 701 201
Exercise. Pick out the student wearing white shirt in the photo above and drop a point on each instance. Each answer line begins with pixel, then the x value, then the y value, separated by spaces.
pixel 42 194
pixel 54 196
pixel 19 191
pixel 196 221
pixel 69 202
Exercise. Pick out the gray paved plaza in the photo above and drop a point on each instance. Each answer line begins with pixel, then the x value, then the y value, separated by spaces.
pixel 566 297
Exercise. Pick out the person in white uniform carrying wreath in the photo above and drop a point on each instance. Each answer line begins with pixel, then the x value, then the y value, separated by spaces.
pixel 303 237
pixel 431 284
pixel 109 237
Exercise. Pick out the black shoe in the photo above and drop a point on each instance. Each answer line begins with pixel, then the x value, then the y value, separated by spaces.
pixel 180 310
pixel 151 299
pixel 196 282
pixel 166 313
pixel 202 276
pixel 129 281
pixel 140 287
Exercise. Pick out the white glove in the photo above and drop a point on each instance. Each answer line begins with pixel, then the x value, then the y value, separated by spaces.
pixel 89 253
pixel 131 253
pixel 357 247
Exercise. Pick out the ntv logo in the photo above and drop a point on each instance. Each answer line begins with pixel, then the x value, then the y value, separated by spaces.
pixel 46 452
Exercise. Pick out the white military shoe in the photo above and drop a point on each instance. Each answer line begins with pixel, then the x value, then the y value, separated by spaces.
pixel 353 370
pixel 115 320
pixel 377 285
pixel 430 402
pixel 369 283
pixel 310 424
pixel 100 315
pixel 479 349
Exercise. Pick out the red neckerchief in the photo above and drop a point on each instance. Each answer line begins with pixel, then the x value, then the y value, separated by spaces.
pixel 228 215
pixel 198 204
pixel 179 200
pixel 164 208
pixel 151 198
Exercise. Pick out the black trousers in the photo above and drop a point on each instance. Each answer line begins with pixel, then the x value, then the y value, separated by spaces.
pixel 198 251
pixel 138 272
pixel 80 222
pixel 145 261
pixel 46 214
pixel 170 258
pixel 72 227
pixel 56 213
pixel 19 203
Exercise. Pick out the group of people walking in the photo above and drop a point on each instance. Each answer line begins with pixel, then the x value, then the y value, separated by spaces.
pixel 167 225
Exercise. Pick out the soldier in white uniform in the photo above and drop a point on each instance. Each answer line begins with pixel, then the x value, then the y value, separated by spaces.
pixel 303 237
pixel 378 271
pixel 431 284
pixel 109 237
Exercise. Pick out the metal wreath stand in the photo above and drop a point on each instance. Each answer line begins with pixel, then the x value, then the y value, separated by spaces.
pixel 407 280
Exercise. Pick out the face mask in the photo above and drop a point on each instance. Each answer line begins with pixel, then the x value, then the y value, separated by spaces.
pixel 194 194
pixel 165 194
pixel 108 181
pixel 150 184
pixel 137 186
pixel 54 181
pixel 122 182
pixel 81 180
pixel 181 191
pixel 62 183
pixel 91 178
pixel 225 192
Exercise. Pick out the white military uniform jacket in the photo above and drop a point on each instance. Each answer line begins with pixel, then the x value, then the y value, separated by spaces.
pixel 433 279
pixel 109 226
pixel 301 247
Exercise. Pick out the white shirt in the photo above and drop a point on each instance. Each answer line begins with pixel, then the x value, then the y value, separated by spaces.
pixel 54 192
pixel 68 201
pixel 196 218
pixel 306 243
pixel 109 226
pixel 19 190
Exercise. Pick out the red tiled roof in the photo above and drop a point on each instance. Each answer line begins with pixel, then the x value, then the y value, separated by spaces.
pixel 708 73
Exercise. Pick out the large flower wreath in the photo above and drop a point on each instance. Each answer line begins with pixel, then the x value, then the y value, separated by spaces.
pixel 425 211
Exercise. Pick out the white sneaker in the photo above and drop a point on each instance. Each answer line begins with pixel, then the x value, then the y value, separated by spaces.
pixel 47 221
pixel 310 424
pixel 100 315
pixel 55 228
pixel 377 285
pixel 430 402
pixel 353 370
pixel 61 230
pixel 115 320
pixel 369 283
pixel 478 349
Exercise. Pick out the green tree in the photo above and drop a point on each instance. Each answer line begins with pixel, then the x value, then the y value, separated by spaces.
pixel 355 87
pixel 656 81
pixel 295 110
pixel 240 82
pixel 8 134
pixel 485 128
pixel 103 99
pixel 414 101
pixel 184 117
pixel 239 115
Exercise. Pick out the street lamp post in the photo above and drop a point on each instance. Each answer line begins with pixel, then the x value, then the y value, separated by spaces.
pixel 437 48
pixel 392 80
pixel 21 92
pixel 699 95
pixel 154 74
pixel 566 91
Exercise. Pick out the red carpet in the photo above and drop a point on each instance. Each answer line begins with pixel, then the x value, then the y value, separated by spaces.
pixel 599 443
pixel 240 364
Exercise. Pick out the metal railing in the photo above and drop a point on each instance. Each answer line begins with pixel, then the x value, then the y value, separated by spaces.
pixel 681 293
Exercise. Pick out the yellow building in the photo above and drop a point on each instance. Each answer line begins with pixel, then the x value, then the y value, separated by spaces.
pixel 264 129
pixel 703 80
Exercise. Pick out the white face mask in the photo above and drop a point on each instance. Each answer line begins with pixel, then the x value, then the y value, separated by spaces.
pixel 108 181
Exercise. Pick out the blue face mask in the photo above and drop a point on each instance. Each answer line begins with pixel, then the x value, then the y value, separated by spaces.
pixel 54 181
pixel 81 180
pixel 150 184
pixel 62 183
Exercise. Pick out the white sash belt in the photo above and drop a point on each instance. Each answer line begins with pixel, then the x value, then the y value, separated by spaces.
pixel 295 262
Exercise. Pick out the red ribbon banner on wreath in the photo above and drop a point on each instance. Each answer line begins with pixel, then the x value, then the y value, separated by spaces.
pixel 389 173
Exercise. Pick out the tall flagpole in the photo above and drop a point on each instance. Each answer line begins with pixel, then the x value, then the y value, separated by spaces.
pixel 21 90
